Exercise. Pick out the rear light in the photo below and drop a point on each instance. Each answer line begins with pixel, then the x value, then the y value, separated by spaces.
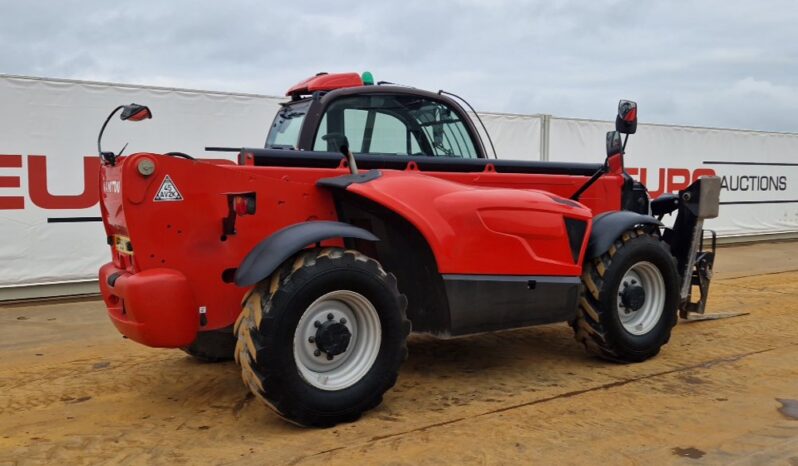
pixel 239 205
pixel 244 205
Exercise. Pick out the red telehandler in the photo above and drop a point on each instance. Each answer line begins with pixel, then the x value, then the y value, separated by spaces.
pixel 374 207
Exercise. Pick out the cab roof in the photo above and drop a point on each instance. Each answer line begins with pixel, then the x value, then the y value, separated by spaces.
pixel 325 82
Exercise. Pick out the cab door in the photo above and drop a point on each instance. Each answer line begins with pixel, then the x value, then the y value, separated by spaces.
pixel 394 124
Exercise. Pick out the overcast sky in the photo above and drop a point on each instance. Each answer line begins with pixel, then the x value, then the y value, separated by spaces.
pixel 724 63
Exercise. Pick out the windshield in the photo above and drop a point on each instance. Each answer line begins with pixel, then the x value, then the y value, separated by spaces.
pixel 284 133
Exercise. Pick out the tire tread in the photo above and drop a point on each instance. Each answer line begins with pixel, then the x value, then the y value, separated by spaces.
pixel 588 327
pixel 255 329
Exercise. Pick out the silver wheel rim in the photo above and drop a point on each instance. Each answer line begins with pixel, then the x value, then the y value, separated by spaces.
pixel 360 318
pixel 644 319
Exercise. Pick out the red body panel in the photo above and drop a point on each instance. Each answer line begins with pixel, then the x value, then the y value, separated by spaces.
pixel 524 228
pixel 155 307
pixel 186 236
pixel 475 223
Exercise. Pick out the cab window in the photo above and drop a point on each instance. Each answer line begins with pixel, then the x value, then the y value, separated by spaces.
pixel 394 125
pixel 284 132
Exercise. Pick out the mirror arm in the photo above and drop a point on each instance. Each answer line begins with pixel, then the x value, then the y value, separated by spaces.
pixel 623 148
pixel 100 136
pixel 350 158
pixel 601 171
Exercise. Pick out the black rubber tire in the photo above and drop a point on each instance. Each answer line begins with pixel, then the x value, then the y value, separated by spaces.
pixel 598 326
pixel 268 322
pixel 213 346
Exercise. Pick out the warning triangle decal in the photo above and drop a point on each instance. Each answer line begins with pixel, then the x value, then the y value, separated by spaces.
pixel 168 191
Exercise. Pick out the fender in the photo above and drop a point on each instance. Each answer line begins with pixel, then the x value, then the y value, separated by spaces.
pixel 610 226
pixel 267 255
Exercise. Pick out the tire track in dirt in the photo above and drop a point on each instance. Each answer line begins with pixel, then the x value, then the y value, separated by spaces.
pixel 159 407
pixel 561 396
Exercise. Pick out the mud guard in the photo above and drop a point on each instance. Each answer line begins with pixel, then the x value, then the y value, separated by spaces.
pixel 610 226
pixel 267 255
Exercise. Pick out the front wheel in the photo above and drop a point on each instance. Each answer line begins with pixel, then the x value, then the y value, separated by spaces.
pixel 323 338
pixel 630 299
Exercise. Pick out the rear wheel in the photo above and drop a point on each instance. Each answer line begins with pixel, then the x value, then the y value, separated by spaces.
pixel 323 338
pixel 631 294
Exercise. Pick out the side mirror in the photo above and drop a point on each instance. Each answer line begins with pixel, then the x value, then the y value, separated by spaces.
pixel 132 112
pixel 135 112
pixel 614 144
pixel 626 121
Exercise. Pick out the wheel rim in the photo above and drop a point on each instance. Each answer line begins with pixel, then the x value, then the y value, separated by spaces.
pixel 324 356
pixel 640 311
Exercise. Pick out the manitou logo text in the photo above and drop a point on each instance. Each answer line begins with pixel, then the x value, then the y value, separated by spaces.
pixel 112 186
pixel 38 194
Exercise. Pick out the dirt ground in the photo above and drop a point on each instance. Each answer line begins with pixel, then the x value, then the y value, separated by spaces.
pixel 72 391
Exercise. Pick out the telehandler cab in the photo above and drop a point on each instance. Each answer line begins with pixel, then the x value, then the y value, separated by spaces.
pixel 374 207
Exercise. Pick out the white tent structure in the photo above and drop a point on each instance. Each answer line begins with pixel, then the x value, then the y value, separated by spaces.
pixel 48 165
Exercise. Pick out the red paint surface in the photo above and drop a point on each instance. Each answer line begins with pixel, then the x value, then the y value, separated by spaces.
pixel 475 223
pixel 325 82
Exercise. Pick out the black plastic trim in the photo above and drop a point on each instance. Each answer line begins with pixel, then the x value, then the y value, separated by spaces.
pixel 564 201
pixel 481 303
pixel 113 278
pixel 576 235
pixel 73 219
pixel 312 159
pixel 609 226
pixel 342 182
pixel 665 204
pixel 634 195
pixel 267 255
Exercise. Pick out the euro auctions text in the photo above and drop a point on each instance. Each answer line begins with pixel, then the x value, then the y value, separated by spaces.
pixel 14 196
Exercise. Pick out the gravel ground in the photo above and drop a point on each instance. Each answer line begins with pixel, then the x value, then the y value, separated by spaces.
pixel 722 392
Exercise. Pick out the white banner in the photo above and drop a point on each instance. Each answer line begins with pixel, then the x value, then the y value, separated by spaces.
pixel 759 171
pixel 516 137
pixel 49 163
pixel 49 176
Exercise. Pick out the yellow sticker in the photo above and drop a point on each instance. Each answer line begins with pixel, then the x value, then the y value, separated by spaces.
pixel 122 244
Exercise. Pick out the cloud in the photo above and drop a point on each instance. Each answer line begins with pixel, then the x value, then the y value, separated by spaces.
pixel 711 62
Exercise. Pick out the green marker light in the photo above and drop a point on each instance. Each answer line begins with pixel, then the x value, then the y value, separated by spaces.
pixel 368 79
